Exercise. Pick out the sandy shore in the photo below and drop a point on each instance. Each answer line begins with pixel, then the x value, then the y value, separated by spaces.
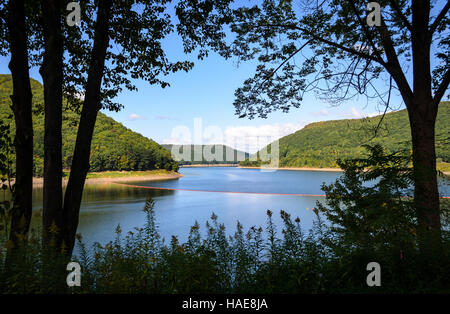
pixel 39 182
pixel 298 169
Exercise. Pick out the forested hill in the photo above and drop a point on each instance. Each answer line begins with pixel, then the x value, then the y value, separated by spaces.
pixel 320 144
pixel 229 155
pixel 114 147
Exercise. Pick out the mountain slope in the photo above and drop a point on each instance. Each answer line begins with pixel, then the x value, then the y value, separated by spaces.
pixel 320 144
pixel 229 155
pixel 114 147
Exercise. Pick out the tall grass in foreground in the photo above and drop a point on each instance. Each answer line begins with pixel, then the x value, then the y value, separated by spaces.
pixel 242 263
pixel 246 262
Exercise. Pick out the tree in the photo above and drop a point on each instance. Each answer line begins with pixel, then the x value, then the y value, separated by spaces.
pixel 126 42
pixel 85 67
pixel 17 39
pixel 52 74
pixel 341 57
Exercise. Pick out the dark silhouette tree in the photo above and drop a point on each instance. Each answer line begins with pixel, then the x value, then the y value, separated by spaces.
pixel 51 71
pixel 84 67
pixel 124 41
pixel 15 38
pixel 328 47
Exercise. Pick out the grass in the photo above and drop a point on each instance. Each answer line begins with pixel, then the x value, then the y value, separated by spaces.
pixel 118 174
pixel 443 166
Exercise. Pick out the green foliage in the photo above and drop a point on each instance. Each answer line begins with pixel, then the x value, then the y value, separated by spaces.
pixel 372 218
pixel 304 46
pixel 36 269
pixel 320 144
pixel 114 147
pixel 6 173
pixel 367 216
pixel 137 30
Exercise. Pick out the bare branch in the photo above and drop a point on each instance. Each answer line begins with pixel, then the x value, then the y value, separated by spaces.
pixel 385 110
pixel 442 88
pixel 393 65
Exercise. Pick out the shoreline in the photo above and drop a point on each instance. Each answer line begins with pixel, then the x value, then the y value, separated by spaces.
pixel 249 167
pixel 39 182
pixel 296 168
pixel 209 165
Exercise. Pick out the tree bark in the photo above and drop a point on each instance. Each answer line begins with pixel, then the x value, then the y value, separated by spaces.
pixel 426 195
pixel 21 106
pixel 422 112
pixel 52 75
pixel 91 107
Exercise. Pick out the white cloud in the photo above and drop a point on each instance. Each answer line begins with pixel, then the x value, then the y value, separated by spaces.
pixel 354 113
pixel 322 112
pixel 135 116
pixel 80 95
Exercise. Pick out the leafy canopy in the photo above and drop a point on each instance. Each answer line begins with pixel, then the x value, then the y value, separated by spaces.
pixel 309 45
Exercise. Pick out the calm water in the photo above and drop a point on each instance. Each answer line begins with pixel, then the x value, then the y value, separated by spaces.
pixel 105 206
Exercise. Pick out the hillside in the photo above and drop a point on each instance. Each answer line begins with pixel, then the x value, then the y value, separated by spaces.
pixel 320 144
pixel 234 156
pixel 114 147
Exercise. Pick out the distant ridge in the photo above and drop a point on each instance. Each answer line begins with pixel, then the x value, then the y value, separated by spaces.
pixel 320 144
pixel 229 155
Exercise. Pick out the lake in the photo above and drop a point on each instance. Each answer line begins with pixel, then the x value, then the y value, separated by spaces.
pixel 233 194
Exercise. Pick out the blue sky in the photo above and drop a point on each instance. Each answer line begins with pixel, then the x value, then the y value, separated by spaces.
pixel 207 92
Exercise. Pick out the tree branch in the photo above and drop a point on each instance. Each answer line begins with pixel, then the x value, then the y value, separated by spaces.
pixel 442 88
pixel 400 14
pixel 284 62
pixel 365 29
pixel 385 110
pixel 329 42
pixel 393 65
pixel 439 18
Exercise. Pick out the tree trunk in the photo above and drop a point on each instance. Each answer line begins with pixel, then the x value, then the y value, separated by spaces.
pixel 426 195
pixel 52 75
pixel 422 116
pixel 91 107
pixel 21 106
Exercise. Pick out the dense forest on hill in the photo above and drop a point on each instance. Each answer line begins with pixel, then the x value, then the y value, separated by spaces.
pixel 114 147
pixel 320 144
pixel 229 155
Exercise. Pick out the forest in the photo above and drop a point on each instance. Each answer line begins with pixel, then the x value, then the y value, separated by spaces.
pixel 114 147
pixel 320 144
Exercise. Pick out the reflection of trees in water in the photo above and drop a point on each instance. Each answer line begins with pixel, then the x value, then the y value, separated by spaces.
pixel 107 191
pixel 97 193
pixel 110 191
